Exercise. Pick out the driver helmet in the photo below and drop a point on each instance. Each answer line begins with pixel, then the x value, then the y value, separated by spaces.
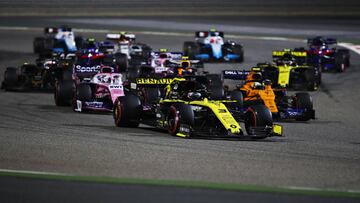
pixel 257 85
pixel 287 59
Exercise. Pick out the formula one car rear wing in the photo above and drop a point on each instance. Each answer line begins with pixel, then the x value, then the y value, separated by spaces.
pixel 318 40
pixel 172 55
pixel 298 56
pixel 238 74
pixel 203 34
pixel 127 36
pixel 54 30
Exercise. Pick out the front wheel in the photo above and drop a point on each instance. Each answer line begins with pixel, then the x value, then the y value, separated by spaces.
pixel 180 119
pixel 304 101
pixel 64 90
pixel 191 49
pixel 127 111
pixel 258 119
pixel 10 78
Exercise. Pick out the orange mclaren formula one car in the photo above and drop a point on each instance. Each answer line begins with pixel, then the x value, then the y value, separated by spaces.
pixel 255 90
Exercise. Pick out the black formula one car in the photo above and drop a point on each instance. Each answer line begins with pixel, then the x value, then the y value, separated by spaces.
pixel 39 76
pixel 190 108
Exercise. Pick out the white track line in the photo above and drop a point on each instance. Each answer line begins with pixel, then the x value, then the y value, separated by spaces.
pixel 32 172
pixel 353 47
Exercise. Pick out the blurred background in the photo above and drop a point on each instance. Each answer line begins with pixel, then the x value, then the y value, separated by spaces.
pixel 180 7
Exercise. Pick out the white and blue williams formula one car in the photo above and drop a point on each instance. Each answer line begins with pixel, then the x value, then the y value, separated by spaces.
pixel 210 46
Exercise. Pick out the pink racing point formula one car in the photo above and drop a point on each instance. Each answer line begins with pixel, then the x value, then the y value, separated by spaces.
pixel 100 93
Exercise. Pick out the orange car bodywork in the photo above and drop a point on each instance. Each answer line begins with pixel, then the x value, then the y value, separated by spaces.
pixel 265 94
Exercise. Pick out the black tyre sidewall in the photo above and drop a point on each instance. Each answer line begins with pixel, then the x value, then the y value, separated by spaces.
pixel 257 116
pixel 84 92
pixel 64 91
pixel 127 111
pixel 182 114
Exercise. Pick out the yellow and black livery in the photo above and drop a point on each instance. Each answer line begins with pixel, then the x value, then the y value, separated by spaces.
pixel 193 107
pixel 290 70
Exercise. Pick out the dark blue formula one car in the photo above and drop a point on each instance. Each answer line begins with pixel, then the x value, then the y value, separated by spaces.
pixel 324 54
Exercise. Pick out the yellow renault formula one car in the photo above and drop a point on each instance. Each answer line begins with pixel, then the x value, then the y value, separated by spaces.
pixel 189 109
pixel 289 70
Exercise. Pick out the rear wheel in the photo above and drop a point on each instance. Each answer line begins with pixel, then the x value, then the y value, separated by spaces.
pixel 238 50
pixel 150 95
pixel 191 49
pixel 84 92
pixel 346 54
pixel 304 101
pixel 238 97
pixel 257 119
pixel 38 45
pixel 340 62
pixel 64 90
pixel 10 77
pixel 133 73
pixel 146 53
pixel 313 76
pixel 180 115
pixel 122 62
pixel 127 111
pixel 216 86
pixel 146 71
pixel 79 42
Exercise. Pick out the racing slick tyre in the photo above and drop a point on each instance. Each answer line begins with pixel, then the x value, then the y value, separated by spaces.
pixel 146 71
pixel 216 86
pixel 10 78
pixel 122 62
pixel 66 74
pixel 133 73
pixel 64 90
pixel 180 115
pixel 257 118
pixel 346 54
pixel 146 53
pixel 340 62
pixel 270 72
pixel 191 49
pixel 39 45
pixel 313 77
pixel 238 50
pixel 127 111
pixel 79 42
pixel 84 92
pixel 49 44
pixel 303 100
pixel 238 97
pixel 150 95
pixel 217 93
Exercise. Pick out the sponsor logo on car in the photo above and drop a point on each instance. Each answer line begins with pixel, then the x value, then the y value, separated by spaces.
pixel 86 69
pixel 145 81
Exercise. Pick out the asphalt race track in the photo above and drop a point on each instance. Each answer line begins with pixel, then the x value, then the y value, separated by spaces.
pixel 35 135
